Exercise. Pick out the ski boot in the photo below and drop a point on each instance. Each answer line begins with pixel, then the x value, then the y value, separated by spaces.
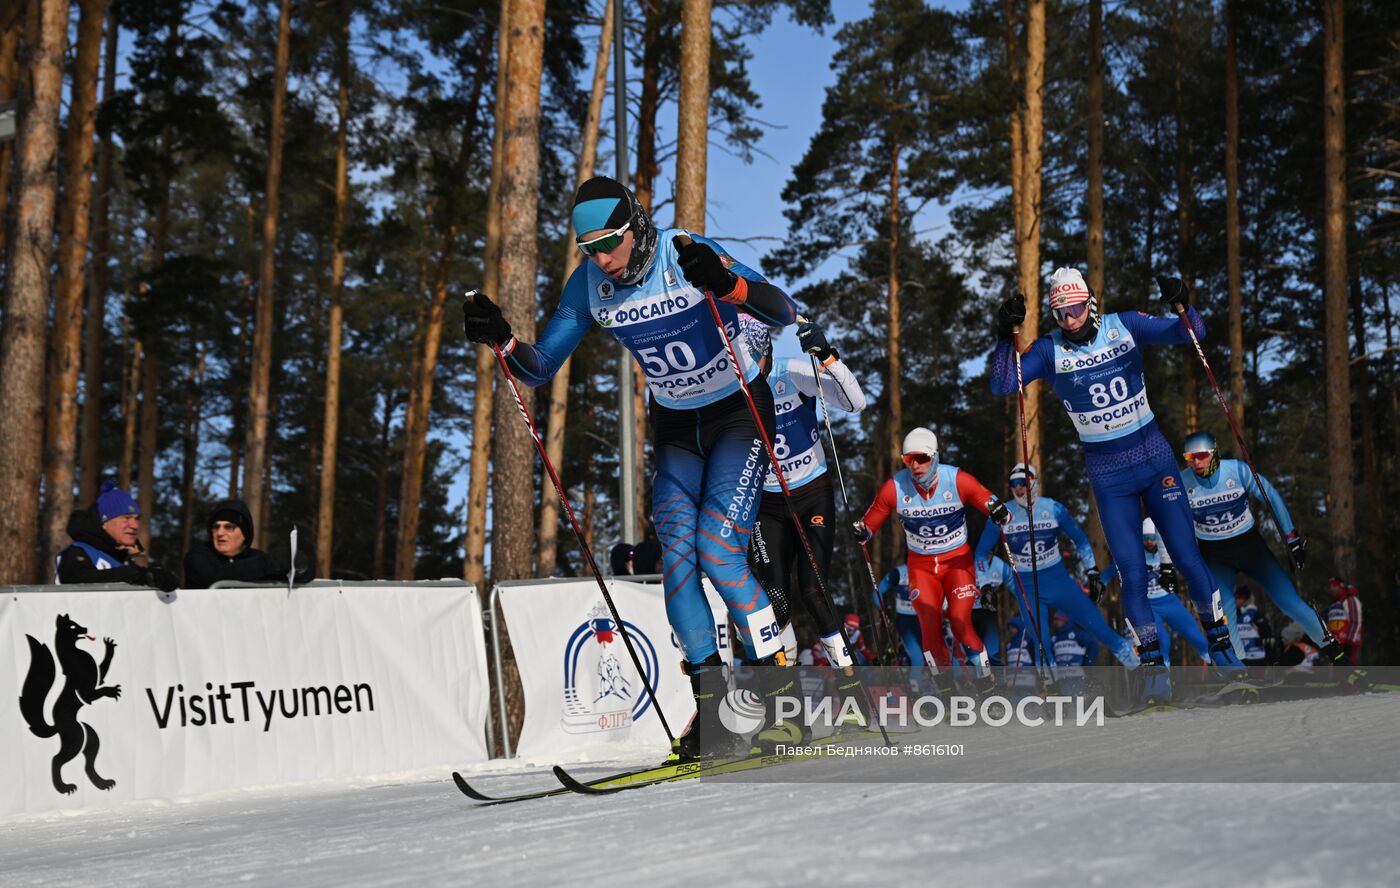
pixel 1352 678
pixel 985 684
pixel 1222 650
pixel 775 680
pixel 1156 679
pixel 853 711
pixel 707 736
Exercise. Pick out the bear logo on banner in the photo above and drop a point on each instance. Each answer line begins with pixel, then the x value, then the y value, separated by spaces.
pixel 83 681
pixel 602 691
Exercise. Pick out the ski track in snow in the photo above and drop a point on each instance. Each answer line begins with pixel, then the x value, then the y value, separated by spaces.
pixel 780 833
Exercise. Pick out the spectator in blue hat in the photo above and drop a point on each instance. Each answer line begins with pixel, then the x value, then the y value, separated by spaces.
pixel 106 539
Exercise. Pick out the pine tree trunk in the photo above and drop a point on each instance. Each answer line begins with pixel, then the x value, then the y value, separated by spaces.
pixel 693 116
pixel 1095 196
pixel 94 332
pixel 131 386
pixel 381 495
pixel 896 427
pixel 260 383
pixel 27 296
pixel 65 345
pixel 474 564
pixel 1370 472
pixel 151 364
pixel 189 436
pixel 237 433
pixel 1093 526
pixel 647 106
pixel 513 478
pixel 330 424
pixel 559 386
pixel 1232 212
pixel 11 26
pixel 1029 254
pixel 1015 135
pixel 420 402
pixel 1185 222
pixel 1341 513
pixel 147 426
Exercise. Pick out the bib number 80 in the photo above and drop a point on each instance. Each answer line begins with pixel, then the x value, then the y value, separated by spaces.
pixel 1103 395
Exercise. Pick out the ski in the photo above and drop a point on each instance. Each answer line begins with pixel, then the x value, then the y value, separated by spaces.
pixel 687 770
pixel 477 795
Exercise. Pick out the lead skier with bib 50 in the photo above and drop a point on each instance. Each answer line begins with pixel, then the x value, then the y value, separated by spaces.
pixel 931 502
pixel 646 287
pixel 1095 367
pixel 776 550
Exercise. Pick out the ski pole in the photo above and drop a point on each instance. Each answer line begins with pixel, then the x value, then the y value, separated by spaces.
pixel 684 240
pixel 884 621
pixel 578 532
pixel 1026 461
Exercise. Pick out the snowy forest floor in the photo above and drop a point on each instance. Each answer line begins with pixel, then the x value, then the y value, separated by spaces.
pixel 1022 830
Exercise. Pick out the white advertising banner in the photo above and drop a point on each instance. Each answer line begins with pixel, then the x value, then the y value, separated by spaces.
pixel 583 696
pixel 111 696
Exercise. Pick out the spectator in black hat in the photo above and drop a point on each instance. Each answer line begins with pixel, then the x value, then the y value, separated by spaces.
pixel 620 560
pixel 106 538
pixel 229 554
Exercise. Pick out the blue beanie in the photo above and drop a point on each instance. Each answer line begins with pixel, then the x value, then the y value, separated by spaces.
pixel 113 502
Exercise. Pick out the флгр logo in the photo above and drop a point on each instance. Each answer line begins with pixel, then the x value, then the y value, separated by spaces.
pixel 602 691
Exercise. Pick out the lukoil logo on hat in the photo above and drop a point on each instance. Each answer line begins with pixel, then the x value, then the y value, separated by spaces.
pixel 1067 288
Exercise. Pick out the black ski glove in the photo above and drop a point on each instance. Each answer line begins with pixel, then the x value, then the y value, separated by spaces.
pixel 860 532
pixel 1011 314
pixel 998 512
pixel 987 599
pixel 1173 291
pixel 161 578
pixel 1095 584
pixel 483 321
pixel 813 341
pixel 701 266
pixel 1166 576
pixel 1298 548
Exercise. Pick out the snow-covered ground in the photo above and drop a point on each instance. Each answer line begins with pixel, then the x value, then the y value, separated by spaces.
pixel 911 827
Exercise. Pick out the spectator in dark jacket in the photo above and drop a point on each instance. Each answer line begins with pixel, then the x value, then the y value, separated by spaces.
pixel 106 537
pixel 229 554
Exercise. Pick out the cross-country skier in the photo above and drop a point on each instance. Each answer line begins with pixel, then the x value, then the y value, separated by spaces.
pixel 1344 619
pixel 931 501
pixel 776 551
pixel 1255 637
pixel 647 288
pixel 1073 648
pixel 1094 365
pixel 1229 538
pixel 1051 580
pixel 906 621
pixel 1167 609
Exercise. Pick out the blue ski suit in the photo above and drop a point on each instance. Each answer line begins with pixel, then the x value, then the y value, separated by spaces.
pixel 710 461
pixel 1230 541
pixel 1101 385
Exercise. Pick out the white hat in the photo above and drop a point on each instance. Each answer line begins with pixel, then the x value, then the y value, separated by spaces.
pixel 1067 288
pixel 1148 528
pixel 921 440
